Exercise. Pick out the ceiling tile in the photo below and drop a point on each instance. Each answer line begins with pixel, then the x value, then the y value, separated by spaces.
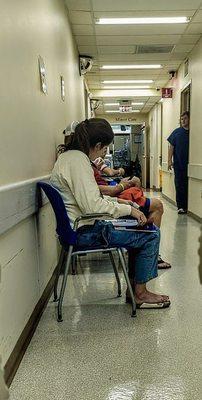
pixel 127 13
pixel 142 75
pixel 189 39
pixel 120 73
pixel 177 56
pixel 116 49
pixel 194 28
pixel 197 17
pixel 120 5
pixel 182 48
pixel 137 40
pixel 139 29
pixel 78 5
pixel 82 29
pixel 89 50
pixel 134 57
pixel 85 40
pixel 80 17
pixel 161 82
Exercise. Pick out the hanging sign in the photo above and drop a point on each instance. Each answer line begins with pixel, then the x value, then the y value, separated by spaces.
pixel 167 93
pixel 125 109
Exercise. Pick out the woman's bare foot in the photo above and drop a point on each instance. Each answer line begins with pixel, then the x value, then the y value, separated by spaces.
pixel 149 297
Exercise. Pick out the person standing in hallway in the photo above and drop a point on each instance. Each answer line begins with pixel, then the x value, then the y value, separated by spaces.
pixel 178 157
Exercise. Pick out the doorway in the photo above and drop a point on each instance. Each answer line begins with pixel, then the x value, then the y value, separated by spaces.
pixel 185 99
pixel 155 124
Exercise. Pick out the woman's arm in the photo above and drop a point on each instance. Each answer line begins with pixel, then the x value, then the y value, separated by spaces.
pixel 113 191
pixel 113 172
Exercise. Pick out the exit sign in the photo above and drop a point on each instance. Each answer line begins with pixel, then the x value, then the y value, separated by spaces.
pixel 125 109
pixel 167 93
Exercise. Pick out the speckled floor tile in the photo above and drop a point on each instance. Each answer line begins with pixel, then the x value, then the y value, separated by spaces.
pixel 100 353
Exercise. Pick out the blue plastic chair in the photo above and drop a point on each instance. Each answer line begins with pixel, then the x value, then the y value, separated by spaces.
pixel 68 238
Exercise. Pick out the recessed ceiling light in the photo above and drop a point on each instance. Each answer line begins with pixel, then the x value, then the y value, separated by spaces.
pixel 126 87
pixel 152 20
pixel 137 104
pixel 134 66
pixel 129 81
pixel 111 104
pixel 117 111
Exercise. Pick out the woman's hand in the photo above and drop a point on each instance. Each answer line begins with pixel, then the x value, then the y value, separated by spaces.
pixel 139 216
pixel 121 172
pixel 100 163
pixel 170 166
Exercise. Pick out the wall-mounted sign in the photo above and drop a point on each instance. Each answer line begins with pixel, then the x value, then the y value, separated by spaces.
pixel 62 84
pixel 125 119
pixel 167 93
pixel 42 72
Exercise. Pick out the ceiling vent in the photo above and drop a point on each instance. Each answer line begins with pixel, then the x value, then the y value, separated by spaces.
pixel 153 49
pixel 125 102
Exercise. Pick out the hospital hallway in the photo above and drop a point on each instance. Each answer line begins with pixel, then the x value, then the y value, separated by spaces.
pixel 100 138
pixel 100 352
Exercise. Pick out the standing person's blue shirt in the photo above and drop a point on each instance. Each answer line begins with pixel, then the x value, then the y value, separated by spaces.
pixel 179 139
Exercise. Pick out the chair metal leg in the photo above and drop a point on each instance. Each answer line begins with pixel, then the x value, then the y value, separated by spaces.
pixel 61 261
pixel 74 265
pixel 64 282
pixel 115 272
pixel 123 265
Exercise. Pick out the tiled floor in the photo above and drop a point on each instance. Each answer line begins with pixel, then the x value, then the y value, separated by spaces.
pixel 100 352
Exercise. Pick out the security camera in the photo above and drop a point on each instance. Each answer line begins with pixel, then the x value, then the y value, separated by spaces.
pixel 158 89
pixel 172 73
pixel 95 103
pixel 85 64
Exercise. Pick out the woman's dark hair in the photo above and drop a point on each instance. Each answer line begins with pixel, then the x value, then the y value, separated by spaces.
pixel 88 133
pixel 187 113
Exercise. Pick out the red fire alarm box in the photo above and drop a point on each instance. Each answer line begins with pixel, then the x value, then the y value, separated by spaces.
pixel 167 93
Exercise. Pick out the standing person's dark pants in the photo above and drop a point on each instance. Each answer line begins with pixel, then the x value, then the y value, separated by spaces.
pixel 181 186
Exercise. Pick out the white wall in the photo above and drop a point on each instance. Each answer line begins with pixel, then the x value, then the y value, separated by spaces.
pixel 170 121
pixel 31 127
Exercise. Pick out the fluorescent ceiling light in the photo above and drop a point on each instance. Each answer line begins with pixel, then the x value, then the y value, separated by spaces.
pixel 111 104
pixel 151 20
pixel 134 66
pixel 129 81
pixel 137 104
pixel 126 87
pixel 117 111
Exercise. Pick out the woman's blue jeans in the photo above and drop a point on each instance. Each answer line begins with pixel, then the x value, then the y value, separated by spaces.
pixel 143 248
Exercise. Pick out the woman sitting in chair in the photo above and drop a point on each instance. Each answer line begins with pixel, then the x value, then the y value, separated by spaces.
pixel 73 176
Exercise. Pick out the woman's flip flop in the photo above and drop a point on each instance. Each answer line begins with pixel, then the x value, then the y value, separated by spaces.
pixel 153 306
pixel 163 264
